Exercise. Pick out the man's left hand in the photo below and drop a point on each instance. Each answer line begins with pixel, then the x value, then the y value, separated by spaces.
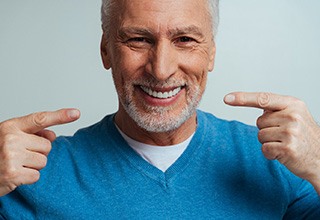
pixel 288 132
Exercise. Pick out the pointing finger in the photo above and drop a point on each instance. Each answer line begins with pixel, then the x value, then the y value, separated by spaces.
pixel 36 122
pixel 262 100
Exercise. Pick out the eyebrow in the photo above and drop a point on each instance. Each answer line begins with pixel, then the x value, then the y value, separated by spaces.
pixel 192 29
pixel 125 31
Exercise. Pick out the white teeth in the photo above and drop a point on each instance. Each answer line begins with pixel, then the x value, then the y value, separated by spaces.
pixel 161 95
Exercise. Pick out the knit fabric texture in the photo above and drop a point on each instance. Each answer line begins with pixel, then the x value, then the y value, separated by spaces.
pixel 221 175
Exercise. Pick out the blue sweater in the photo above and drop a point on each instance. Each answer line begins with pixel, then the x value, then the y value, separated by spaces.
pixel 221 175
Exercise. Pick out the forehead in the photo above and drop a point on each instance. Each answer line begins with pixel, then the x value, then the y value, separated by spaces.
pixel 162 14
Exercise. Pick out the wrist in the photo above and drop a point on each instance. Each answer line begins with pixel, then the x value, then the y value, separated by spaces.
pixel 315 182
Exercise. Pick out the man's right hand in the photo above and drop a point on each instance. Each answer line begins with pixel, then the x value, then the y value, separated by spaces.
pixel 25 144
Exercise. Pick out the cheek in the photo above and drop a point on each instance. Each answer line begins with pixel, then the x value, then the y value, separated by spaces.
pixel 129 60
pixel 196 69
pixel 126 66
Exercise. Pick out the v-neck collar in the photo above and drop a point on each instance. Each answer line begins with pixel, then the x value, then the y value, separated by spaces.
pixel 187 157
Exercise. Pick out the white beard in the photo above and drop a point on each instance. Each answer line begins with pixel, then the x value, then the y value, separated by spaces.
pixel 159 119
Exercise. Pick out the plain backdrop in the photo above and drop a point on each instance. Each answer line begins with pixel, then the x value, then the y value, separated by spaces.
pixel 49 57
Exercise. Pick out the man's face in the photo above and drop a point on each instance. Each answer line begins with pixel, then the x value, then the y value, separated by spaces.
pixel 160 52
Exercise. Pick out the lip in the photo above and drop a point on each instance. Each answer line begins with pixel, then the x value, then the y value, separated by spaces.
pixel 163 102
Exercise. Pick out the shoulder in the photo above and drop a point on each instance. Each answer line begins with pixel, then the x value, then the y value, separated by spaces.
pixel 237 145
pixel 236 130
pixel 78 154
pixel 90 135
pixel 85 146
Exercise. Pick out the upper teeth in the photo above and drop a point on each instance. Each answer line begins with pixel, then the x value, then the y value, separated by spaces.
pixel 161 95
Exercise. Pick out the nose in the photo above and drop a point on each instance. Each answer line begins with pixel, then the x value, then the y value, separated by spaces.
pixel 163 61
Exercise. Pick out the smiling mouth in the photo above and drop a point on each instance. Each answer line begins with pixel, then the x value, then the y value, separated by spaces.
pixel 161 94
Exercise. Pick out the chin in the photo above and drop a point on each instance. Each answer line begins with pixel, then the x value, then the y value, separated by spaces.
pixel 160 120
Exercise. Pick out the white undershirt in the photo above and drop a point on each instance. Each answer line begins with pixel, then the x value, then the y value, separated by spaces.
pixel 161 157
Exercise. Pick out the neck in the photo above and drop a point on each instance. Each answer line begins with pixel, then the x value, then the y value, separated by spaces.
pixel 131 129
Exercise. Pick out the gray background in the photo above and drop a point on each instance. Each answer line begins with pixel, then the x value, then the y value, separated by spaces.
pixel 49 57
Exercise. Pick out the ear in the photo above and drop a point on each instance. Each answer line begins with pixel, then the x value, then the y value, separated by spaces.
pixel 105 56
pixel 212 56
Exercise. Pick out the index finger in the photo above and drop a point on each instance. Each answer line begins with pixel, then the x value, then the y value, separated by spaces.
pixel 262 100
pixel 36 122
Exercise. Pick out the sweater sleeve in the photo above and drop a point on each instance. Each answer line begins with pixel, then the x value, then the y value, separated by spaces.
pixel 306 203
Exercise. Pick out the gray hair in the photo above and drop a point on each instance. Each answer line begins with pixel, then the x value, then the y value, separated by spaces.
pixel 106 16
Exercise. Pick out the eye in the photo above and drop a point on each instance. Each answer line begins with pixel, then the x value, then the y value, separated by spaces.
pixel 138 39
pixel 185 42
pixel 139 42
pixel 185 39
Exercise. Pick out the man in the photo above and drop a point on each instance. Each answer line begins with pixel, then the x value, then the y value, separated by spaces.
pixel 158 157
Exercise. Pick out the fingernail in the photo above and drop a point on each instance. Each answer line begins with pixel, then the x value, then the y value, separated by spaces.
pixel 73 114
pixel 229 98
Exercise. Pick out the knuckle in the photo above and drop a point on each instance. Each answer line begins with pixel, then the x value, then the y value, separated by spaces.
pixel 260 121
pixel 10 178
pixel 6 126
pixel 265 149
pixel 301 103
pixel 9 173
pixel 35 176
pixel 8 148
pixel 7 188
pixel 263 99
pixel 39 119
pixel 12 187
pixel 42 161
pixel 261 136
pixel 7 155
pixel 291 133
pixel 297 101
pixel 8 140
pixel 241 99
pixel 46 146
pixel 286 149
pixel 297 104
pixel 289 152
pixel 294 117
pixel 61 117
pixel 272 152
pixel 268 151
pixel 39 160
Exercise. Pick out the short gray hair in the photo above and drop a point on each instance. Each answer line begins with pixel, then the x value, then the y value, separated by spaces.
pixel 106 16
